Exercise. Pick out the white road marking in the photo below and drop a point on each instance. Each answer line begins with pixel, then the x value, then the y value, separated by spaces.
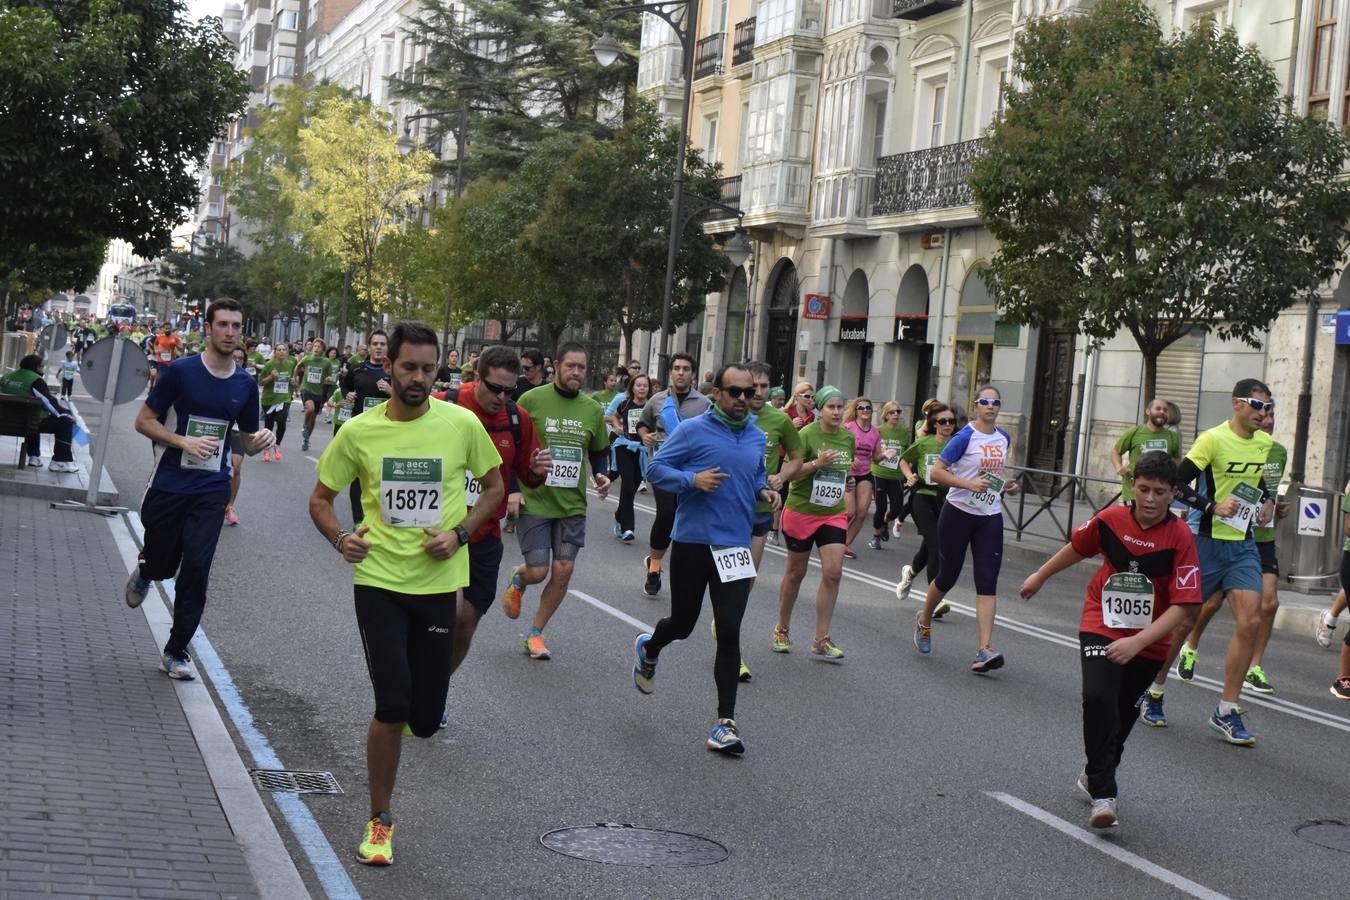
pixel 1133 860
pixel 616 613
pixel 312 459
pixel 1307 713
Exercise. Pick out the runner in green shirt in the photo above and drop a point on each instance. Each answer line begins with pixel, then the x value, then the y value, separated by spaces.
pixel 815 516
pixel 1228 465
pixel 925 495
pixel 1152 434
pixel 1276 460
pixel 890 483
pixel 313 372
pixel 782 455
pixel 277 380
pixel 551 529
pixel 412 457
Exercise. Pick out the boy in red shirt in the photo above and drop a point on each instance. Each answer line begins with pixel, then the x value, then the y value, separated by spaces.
pixel 1148 583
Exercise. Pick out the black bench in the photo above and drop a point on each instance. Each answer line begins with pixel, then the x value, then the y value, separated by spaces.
pixel 19 417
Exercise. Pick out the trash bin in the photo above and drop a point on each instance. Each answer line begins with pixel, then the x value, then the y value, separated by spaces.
pixel 1310 561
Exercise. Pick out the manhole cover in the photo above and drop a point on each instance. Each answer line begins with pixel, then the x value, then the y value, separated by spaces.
pixel 284 781
pixel 1330 833
pixel 633 845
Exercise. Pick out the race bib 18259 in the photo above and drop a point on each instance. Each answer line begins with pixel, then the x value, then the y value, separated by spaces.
pixel 827 487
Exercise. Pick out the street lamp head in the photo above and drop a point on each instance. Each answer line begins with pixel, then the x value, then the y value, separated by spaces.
pixel 404 144
pixel 737 250
pixel 605 48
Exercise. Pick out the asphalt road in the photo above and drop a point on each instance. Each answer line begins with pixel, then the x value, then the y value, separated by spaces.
pixel 889 775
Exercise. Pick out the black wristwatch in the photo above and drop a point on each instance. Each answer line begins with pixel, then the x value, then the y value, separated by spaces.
pixel 461 535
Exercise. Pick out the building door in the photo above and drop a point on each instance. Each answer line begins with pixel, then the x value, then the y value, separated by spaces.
pixel 1050 411
pixel 782 346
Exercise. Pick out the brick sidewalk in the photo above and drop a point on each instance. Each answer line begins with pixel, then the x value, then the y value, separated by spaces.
pixel 104 790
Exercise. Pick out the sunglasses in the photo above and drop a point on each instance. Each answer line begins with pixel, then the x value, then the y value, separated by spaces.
pixel 990 401
pixel 1257 404
pixel 944 421
pixel 736 393
pixel 498 388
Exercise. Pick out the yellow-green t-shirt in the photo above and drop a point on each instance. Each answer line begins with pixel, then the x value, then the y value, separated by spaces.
pixel 1229 464
pixel 412 476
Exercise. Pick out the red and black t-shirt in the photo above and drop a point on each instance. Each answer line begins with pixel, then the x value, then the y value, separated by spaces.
pixel 503 438
pixel 1165 554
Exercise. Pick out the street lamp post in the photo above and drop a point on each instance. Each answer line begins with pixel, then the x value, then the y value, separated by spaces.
pixel 224 222
pixel 606 51
pixel 405 146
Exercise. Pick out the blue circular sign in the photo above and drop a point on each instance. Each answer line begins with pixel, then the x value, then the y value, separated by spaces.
pixel 1312 509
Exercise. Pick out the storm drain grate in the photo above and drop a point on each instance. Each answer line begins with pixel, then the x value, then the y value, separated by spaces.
pixel 634 845
pixel 284 781
pixel 1330 833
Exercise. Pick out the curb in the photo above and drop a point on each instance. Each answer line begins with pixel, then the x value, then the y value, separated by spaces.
pixel 271 865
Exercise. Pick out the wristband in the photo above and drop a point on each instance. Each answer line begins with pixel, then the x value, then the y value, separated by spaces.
pixel 461 535
pixel 337 539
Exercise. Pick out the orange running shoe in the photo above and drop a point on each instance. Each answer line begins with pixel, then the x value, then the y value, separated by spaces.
pixel 277 451
pixel 534 645
pixel 515 591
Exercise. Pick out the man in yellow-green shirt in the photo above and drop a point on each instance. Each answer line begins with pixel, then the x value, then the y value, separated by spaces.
pixel 412 456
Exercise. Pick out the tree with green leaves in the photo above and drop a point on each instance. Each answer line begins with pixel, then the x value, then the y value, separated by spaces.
pixel 1145 183
pixel 611 266
pixel 108 107
pixel 351 189
pixel 523 68
pixel 206 271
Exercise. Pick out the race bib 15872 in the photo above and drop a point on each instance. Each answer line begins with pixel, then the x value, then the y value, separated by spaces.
pixel 410 491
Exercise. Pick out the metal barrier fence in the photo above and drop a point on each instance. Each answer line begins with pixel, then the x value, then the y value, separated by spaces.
pixel 1055 502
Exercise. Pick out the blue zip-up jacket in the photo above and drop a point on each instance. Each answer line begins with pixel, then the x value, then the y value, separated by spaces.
pixel 724 517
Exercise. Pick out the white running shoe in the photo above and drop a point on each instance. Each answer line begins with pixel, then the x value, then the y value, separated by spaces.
pixel 895 528
pixel 1104 813
pixel 1326 628
pixel 67 467
pixel 906 580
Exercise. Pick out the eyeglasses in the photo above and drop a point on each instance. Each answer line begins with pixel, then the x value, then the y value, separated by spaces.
pixel 736 393
pixel 526 368
pixel 1257 404
pixel 989 401
pixel 498 388
pixel 634 366
pixel 944 421
pixel 862 407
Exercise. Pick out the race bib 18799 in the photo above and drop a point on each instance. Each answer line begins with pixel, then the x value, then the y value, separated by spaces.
pixel 733 563
pixel 410 491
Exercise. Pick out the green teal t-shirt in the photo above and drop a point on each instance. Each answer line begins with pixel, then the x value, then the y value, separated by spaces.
pixel 1276 460
pixel 821 493
pixel 921 456
pixel 315 374
pixel 281 388
pixel 571 428
pixel 892 438
pixel 779 433
pixel 1137 441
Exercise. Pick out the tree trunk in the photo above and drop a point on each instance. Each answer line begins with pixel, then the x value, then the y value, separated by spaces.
pixel 342 309
pixel 1150 372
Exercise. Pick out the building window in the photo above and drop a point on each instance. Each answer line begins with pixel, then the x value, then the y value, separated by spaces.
pixel 719 21
pixel 1324 34
pixel 1216 11
pixel 993 91
pixel 876 129
pixel 931 113
pixel 288 20
pixel 283 67
pixel 710 150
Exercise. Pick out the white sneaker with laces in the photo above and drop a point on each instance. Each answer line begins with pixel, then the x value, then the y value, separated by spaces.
pixel 895 528
pixel 66 467
pixel 906 580
pixel 1104 813
pixel 1326 627
pixel 35 462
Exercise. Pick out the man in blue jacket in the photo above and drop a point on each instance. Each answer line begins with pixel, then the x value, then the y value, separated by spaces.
pixel 714 465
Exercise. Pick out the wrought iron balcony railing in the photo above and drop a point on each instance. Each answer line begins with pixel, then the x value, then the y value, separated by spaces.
pixel 922 9
pixel 742 48
pixel 731 191
pixel 937 178
pixel 708 55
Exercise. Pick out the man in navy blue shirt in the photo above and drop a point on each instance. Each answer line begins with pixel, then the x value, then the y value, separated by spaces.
pixel 188 416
